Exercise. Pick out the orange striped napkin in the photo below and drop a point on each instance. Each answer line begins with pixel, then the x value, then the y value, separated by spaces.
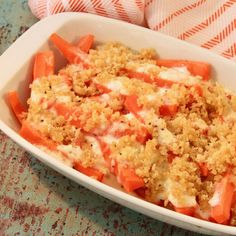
pixel 208 23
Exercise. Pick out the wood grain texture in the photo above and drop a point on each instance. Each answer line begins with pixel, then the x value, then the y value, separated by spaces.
pixel 36 200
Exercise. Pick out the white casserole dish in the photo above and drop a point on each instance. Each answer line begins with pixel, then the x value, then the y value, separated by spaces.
pixel 16 73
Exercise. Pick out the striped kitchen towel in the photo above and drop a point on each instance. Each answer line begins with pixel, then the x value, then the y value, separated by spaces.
pixel 207 23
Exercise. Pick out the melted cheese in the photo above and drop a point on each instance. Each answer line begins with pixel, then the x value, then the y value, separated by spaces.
pixel 35 96
pixel 145 67
pixel 73 152
pixel 58 156
pixel 165 137
pixel 129 116
pixel 214 201
pixel 189 201
pixel 109 139
pixel 95 145
pixel 104 98
pixel 64 98
pixel 118 126
pixel 117 86
pixel 60 87
pixel 175 73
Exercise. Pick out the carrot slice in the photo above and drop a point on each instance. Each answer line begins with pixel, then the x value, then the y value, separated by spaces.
pixel 106 152
pixel 203 169
pixel 202 69
pixel 120 133
pixel 220 211
pixel 101 88
pixel 164 83
pixel 43 64
pixel 168 110
pixel 141 192
pixel 142 135
pixel 72 53
pixel 128 178
pixel 86 42
pixel 16 105
pixel 146 78
pixel 69 114
pixel 137 75
pixel 198 89
pixel 32 135
pixel 89 171
pixel 171 156
pixel 132 106
pixel 234 199
pixel 104 148
pixel 186 210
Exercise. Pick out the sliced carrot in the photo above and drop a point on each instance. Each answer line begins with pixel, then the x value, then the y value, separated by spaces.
pixel 170 157
pixel 142 135
pixel 198 89
pixel 69 114
pixel 126 176
pixel 203 169
pixel 137 75
pixel 44 64
pixel 168 110
pixel 186 210
pixel 199 215
pixel 68 80
pixel 120 133
pixel 16 105
pixel 86 42
pixel 164 83
pixel 224 192
pixel 104 148
pixel 89 171
pixel 102 88
pixel 141 192
pixel 72 53
pixel 62 110
pixel 34 136
pixel 146 78
pixel 131 104
pixel 234 200
pixel 128 179
pixel 202 69
pixel 72 116
pixel 112 164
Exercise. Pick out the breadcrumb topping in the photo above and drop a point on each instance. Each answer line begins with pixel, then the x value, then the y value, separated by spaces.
pixel 203 130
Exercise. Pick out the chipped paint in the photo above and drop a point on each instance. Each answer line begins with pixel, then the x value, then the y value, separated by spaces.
pixel 35 200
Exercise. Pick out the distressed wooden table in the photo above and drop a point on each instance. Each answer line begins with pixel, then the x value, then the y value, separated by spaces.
pixel 36 200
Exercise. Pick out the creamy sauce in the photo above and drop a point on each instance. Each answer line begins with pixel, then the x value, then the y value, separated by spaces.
pixel 109 139
pixel 189 201
pixel 145 68
pixel 214 201
pixel 117 86
pixel 165 137
pixel 95 145
pixel 175 73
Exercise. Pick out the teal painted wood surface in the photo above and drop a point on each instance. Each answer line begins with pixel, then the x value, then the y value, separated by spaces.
pixel 36 200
